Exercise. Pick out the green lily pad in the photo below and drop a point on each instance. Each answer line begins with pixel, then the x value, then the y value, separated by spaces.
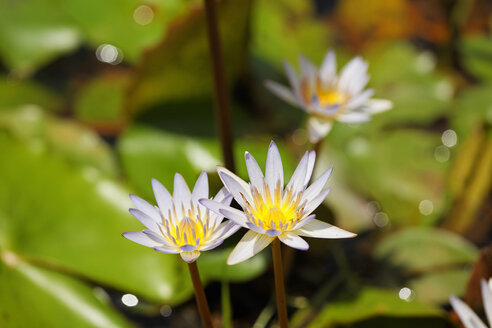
pixel 51 299
pixel 372 302
pixel 441 248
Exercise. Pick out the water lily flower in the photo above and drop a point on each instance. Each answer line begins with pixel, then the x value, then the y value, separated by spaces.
pixel 271 211
pixel 327 96
pixel 179 223
pixel 467 316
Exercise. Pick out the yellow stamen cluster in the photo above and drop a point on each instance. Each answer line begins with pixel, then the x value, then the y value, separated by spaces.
pixel 186 226
pixel 280 212
pixel 327 96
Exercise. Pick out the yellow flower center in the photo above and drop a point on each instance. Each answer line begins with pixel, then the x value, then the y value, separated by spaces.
pixel 186 227
pixel 280 212
pixel 327 96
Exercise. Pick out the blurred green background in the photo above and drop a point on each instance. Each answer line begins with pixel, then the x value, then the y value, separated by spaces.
pixel 97 97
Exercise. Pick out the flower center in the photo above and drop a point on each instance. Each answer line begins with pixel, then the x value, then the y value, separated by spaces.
pixel 280 211
pixel 186 227
pixel 328 96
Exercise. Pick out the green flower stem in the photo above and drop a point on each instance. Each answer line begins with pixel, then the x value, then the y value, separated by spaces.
pixel 279 284
pixel 201 300
pixel 222 111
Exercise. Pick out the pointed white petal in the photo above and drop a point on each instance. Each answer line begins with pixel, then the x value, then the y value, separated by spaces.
pixel 251 244
pixel 359 100
pixel 310 168
pixel 274 172
pixel 254 227
pixel 190 256
pixel 317 186
pixel 318 129
pixel 213 244
pixel 145 207
pixel 292 77
pixel 146 220
pixel 225 230
pixel 167 250
pixel 236 186
pixel 223 210
pixel 187 248
pixel 282 92
pixel 223 196
pixel 308 70
pixel 304 221
pixel 467 316
pixel 328 69
pixel 162 196
pixel 299 175
pixel 357 84
pixel 273 232
pixel 487 300
pixel 375 106
pixel 181 194
pixel 352 70
pixel 320 229
pixel 312 204
pixel 201 187
pixel 294 241
pixel 254 171
pixel 354 117
pixel 158 238
pixel 140 238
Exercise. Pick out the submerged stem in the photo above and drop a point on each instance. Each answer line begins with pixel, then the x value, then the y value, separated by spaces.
pixel 201 300
pixel 222 111
pixel 279 284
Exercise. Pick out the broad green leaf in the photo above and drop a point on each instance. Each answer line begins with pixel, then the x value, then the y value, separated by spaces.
pixel 77 144
pixel 476 53
pixel 36 297
pixel 14 93
pixel 73 218
pixel 179 68
pixel 471 109
pixel 33 33
pixel 103 99
pixel 424 249
pixel 372 302
pixel 439 286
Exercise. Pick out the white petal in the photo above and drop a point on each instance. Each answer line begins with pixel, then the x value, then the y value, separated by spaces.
pixel 201 187
pixel 181 193
pixel 304 221
pixel 467 316
pixel 145 207
pixel 158 238
pixel 274 172
pixel 359 99
pixel 317 186
pixel 320 229
pixel 273 232
pixel 235 215
pixel 251 244
pixel 254 171
pixel 292 77
pixel 146 220
pixel 213 244
pixel 356 85
pixel 187 248
pixel 375 106
pixel 225 230
pixel 328 69
pixel 312 204
pixel 299 175
pixel 190 256
pixel 310 168
pixel 354 117
pixel 487 300
pixel 140 238
pixel 162 196
pixel 318 129
pixel 282 92
pixel 294 241
pixel 352 70
pixel 254 227
pixel 167 250
pixel 223 196
pixel 236 186
pixel 308 70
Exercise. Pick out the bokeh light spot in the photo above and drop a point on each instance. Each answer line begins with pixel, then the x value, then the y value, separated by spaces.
pixel 449 138
pixel 129 300
pixel 426 207
pixel 108 53
pixel 143 15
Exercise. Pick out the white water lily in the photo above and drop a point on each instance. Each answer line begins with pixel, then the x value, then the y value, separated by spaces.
pixel 327 97
pixel 467 316
pixel 271 211
pixel 179 223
